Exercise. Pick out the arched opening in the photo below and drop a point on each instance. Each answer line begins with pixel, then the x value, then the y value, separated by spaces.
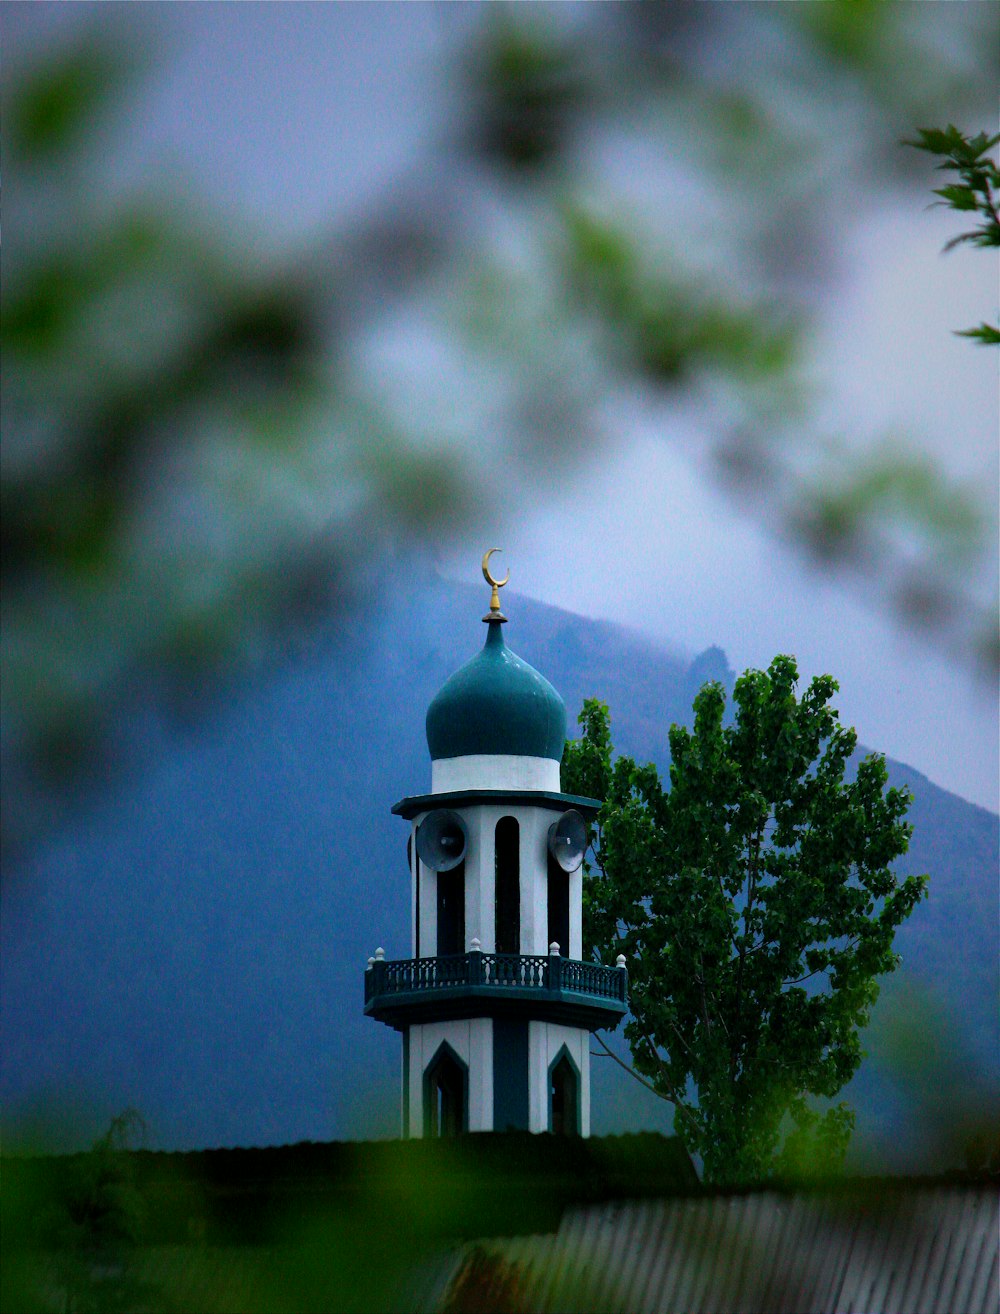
pixel 564 1096
pixel 451 910
pixel 446 1094
pixel 558 906
pixel 508 886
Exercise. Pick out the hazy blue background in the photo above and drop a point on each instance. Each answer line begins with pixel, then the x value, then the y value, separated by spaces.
pixel 294 121
pixel 196 948
pixel 291 118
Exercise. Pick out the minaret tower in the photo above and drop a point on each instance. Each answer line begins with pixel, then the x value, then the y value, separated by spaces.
pixel 496 1005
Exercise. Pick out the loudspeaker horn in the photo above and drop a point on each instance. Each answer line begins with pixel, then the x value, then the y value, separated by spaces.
pixel 568 840
pixel 441 840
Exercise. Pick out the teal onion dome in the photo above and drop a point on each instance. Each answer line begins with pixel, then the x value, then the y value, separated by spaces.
pixel 496 704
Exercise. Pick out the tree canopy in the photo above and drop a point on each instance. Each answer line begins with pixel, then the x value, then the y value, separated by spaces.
pixel 756 906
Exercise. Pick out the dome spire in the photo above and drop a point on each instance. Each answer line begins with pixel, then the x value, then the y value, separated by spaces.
pixel 496 704
pixel 494 616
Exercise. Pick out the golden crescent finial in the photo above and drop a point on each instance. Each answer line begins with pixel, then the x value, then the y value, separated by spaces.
pixel 495 614
pixel 497 583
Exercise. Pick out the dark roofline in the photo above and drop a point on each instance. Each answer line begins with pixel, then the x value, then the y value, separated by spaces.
pixel 460 798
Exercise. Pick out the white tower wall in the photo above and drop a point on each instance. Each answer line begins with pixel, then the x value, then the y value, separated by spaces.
pixel 494 771
pixel 545 1041
pixel 480 883
pixel 472 1041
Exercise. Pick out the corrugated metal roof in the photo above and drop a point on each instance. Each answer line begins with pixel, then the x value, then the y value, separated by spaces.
pixel 889 1249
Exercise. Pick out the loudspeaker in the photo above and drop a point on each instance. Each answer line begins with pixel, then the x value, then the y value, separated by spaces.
pixel 441 840
pixel 568 840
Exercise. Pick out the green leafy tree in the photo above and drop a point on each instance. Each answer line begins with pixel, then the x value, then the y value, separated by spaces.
pixel 756 907
pixel 976 193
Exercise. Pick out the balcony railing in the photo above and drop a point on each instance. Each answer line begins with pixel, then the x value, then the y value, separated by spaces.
pixel 547 974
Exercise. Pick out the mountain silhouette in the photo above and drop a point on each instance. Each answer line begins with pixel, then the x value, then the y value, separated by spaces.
pixel 195 945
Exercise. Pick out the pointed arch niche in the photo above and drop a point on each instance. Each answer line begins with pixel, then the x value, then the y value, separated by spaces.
pixel 446 1094
pixel 564 1095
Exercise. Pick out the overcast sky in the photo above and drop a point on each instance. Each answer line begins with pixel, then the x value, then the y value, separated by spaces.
pixel 298 123
pixel 621 545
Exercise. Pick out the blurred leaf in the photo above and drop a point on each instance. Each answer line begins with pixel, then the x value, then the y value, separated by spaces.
pixel 958 197
pixel 526 87
pixel 666 329
pixel 52 109
pixel 851 30
pixel 985 334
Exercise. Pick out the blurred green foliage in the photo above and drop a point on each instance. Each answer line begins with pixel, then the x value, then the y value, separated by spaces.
pixel 953 1101
pixel 418 1225
pixel 666 328
pixel 89 1216
pixel 203 446
pixel 756 907
pixel 313 1227
pixel 57 104
pixel 525 91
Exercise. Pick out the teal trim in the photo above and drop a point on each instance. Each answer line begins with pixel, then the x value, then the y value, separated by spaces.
pixel 496 703
pixel 407 991
pixel 406 1084
pixel 463 798
pixel 510 1074
pixel 564 1054
pixel 445 1054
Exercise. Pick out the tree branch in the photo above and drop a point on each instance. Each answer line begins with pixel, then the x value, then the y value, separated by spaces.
pixel 674 1097
pixel 700 979
pixel 671 1098
pixel 677 1032
pixel 725 899
pixel 609 1053
pixel 798 979
pixel 738 1009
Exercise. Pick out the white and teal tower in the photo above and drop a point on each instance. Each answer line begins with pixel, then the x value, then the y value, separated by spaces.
pixel 497 1004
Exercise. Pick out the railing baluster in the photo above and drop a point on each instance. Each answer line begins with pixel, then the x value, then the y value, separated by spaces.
pixel 523 971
